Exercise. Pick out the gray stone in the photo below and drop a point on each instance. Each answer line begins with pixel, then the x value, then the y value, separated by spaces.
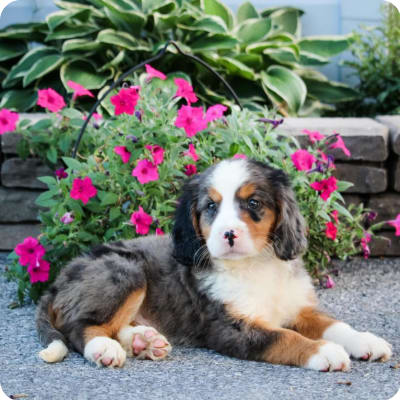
pixel 366 139
pixel 387 245
pixel 393 123
pixel 396 175
pixel 353 199
pixel 11 235
pixel 387 206
pixel 366 179
pixel 24 173
pixel 18 205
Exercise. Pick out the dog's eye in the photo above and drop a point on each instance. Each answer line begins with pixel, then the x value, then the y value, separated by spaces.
pixel 212 206
pixel 253 204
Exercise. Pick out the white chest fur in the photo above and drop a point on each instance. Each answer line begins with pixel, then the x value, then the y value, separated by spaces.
pixel 268 290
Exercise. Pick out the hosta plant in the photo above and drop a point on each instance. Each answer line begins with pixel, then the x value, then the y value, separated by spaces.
pixel 129 170
pixel 91 42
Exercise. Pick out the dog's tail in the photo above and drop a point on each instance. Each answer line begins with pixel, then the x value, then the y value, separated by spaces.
pixel 55 342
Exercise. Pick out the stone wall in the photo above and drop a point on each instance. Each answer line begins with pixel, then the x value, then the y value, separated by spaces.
pixel 374 168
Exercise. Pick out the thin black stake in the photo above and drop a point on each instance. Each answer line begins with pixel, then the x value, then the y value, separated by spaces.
pixel 160 54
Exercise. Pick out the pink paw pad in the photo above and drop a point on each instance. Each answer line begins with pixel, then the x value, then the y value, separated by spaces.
pixel 150 345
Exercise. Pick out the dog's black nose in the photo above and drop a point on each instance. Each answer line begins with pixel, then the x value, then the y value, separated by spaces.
pixel 230 235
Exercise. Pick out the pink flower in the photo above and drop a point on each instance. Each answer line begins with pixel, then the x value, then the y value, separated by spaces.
pixel 190 169
pixel 8 121
pixel 67 218
pixel 39 271
pixel 327 159
pixel 191 153
pixel 329 283
pixel 364 244
pixel 61 174
pixel 96 116
pixel 325 187
pixel 185 90
pixel 191 119
pixel 83 189
pixel 331 230
pixel 396 224
pixel 339 144
pixel 50 99
pixel 123 152
pixel 335 216
pixel 159 232
pixel 142 221
pixel 303 160
pixel 313 136
pixel 240 156
pixel 29 251
pixel 145 171
pixel 154 73
pixel 215 112
pixel 79 90
pixel 125 101
pixel 157 152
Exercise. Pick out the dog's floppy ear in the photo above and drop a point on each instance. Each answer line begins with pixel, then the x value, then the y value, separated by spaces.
pixel 186 234
pixel 290 234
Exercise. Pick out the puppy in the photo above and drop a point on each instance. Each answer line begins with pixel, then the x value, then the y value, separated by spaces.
pixel 229 279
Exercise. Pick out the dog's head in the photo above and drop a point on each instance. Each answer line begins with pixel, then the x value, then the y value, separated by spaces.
pixel 237 209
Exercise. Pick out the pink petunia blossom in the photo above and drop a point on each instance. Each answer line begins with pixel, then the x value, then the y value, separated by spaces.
pixel 60 173
pixel 191 153
pixel 325 187
pixel 29 251
pixel 364 244
pixel 142 221
pixel 125 101
pixel 83 189
pixel 39 271
pixel 190 169
pixel 327 159
pixel 79 90
pixel 303 160
pixel 185 90
pixel 329 282
pixel 191 119
pixel 240 156
pixel 335 216
pixel 215 112
pixel 331 230
pixel 396 223
pixel 67 218
pixel 8 121
pixel 154 73
pixel 313 136
pixel 159 232
pixel 145 171
pixel 50 99
pixel 157 152
pixel 339 144
pixel 123 152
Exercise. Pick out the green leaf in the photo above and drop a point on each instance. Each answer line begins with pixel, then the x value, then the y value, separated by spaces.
pixel 19 100
pixel 42 67
pixel 72 163
pixel 237 68
pixel 214 42
pixel 330 92
pixel 287 85
pixel 115 61
pixel 79 45
pixel 310 59
pixel 286 20
pixel 45 199
pixel 246 11
pixel 23 31
pixel 51 155
pixel 120 39
pixel 115 212
pixel 107 198
pixel 11 49
pixel 283 54
pixel 71 32
pixel 325 46
pixel 211 24
pixel 215 7
pixel 59 17
pixel 342 210
pixel 69 5
pixel 48 180
pixel 84 73
pixel 344 185
pixel 253 30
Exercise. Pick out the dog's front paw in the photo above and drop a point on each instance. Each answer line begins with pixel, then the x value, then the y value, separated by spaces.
pixel 330 357
pixel 366 346
pixel 105 352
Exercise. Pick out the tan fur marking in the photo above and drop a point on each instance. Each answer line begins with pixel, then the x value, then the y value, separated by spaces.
pixel 215 195
pixel 246 191
pixel 312 323
pixel 121 318
pixel 205 228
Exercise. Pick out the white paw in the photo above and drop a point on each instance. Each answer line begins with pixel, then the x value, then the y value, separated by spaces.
pixel 105 352
pixel 330 357
pixel 366 346
pixel 144 342
pixel 54 352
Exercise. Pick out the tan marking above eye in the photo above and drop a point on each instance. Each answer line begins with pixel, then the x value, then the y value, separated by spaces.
pixel 215 195
pixel 246 191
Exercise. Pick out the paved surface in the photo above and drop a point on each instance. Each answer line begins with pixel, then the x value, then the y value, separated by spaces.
pixel 367 295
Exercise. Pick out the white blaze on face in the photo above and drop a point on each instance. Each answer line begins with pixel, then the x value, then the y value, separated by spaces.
pixel 227 178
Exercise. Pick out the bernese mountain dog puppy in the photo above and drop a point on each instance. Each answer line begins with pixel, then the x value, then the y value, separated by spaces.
pixel 229 279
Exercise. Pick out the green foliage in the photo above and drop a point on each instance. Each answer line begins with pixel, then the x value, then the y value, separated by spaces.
pixel 92 42
pixel 106 217
pixel 377 64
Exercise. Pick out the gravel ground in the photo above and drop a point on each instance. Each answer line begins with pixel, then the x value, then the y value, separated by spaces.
pixel 367 295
